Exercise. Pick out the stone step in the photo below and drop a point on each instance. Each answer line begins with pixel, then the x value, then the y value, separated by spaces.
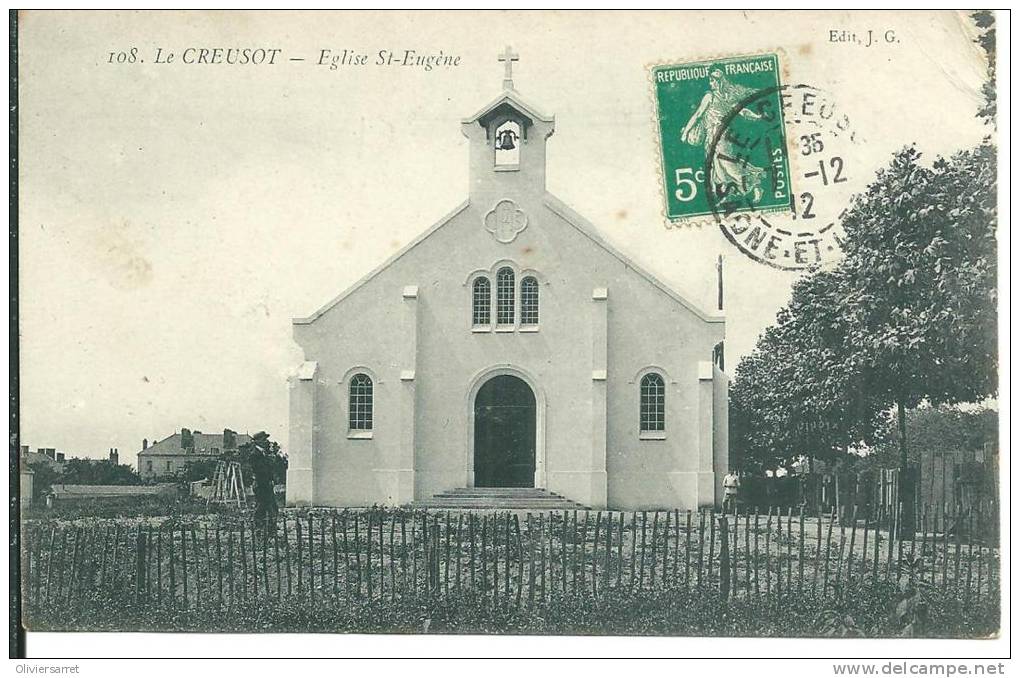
pixel 497 505
pixel 514 498
pixel 515 491
pixel 498 495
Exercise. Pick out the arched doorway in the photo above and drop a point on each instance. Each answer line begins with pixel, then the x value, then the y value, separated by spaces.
pixel 504 445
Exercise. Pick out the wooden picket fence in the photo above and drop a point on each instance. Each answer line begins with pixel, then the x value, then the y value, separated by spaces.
pixel 515 558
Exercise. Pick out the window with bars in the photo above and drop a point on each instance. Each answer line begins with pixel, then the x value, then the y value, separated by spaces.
pixel 360 403
pixel 653 403
pixel 481 305
pixel 505 296
pixel 529 301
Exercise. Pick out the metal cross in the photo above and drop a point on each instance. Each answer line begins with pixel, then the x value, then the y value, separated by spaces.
pixel 508 57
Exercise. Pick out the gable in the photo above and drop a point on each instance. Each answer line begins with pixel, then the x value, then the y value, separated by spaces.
pixel 571 218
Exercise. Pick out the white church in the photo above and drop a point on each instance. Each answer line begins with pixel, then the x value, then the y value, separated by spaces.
pixel 509 346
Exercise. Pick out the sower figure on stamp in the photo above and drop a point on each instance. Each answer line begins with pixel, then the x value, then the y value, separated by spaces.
pixel 731 487
pixel 729 171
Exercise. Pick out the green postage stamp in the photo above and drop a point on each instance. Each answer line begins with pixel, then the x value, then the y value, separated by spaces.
pixel 722 138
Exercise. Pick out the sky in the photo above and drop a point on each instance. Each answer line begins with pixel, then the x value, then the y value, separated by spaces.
pixel 175 217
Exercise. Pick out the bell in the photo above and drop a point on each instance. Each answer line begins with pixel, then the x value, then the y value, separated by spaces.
pixel 506 141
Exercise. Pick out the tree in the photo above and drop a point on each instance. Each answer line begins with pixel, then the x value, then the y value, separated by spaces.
pixel 940 430
pixel 920 284
pixel 45 476
pixel 798 392
pixel 261 441
pixel 985 21
pixel 98 472
pixel 199 469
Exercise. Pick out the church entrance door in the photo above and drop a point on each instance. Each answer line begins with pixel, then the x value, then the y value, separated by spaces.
pixel 505 433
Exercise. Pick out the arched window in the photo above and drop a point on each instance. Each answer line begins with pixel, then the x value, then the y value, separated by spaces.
pixel 360 403
pixel 505 296
pixel 529 301
pixel 481 302
pixel 653 403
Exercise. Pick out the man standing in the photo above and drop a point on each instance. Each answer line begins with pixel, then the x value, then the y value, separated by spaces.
pixel 731 485
pixel 265 496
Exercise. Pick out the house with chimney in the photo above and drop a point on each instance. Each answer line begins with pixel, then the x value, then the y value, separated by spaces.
pixel 170 456
pixel 43 455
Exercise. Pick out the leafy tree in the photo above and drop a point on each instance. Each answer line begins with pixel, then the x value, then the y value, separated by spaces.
pixel 261 443
pixel 799 392
pixel 98 472
pixel 941 429
pixel 44 478
pixel 199 469
pixel 985 21
pixel 920 294
pixel 909 315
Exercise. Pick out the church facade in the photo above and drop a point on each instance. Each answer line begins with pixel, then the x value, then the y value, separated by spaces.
pixel 509 345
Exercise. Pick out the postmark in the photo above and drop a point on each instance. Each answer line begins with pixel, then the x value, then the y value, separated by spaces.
pixel 819 141
pixel 694 102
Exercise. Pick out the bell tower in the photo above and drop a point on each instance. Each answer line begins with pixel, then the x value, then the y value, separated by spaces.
pixel 507 144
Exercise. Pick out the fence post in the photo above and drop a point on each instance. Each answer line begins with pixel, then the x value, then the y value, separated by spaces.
pixel 446 557
pixel 173 574
pixel 633 550
pixel 184 563
pixel 230 564
pixel 595 557
pixel 676 544
pixel 531 561
pixel 768 554
pixel 970 552
pixel 619 555
pixel 198 568
pixel 506 561
pixel 520 561
pixel 711 544
pixel 140 582
pixel 311 558
pixel 584 552
pixel 460 549
pixel 665 548
pixel 541 586
pixel 724 558
pixel 471 548
pixel 853 539
pixel 49 562
pixel 701 546
pixel 980 560
pixel 655 535
pixel 485 567
pixel 828 551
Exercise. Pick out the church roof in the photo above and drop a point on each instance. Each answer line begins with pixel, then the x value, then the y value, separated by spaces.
pixel 512 98
pixel 589 230
pixel 383 266
pixel 568 215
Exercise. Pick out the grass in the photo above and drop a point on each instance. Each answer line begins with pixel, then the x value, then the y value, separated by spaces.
pixel 860 611
pixel 658 581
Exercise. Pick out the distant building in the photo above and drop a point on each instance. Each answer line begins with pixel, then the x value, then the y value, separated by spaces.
pixel 170 456
pixel 27 486
pixel 42 455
